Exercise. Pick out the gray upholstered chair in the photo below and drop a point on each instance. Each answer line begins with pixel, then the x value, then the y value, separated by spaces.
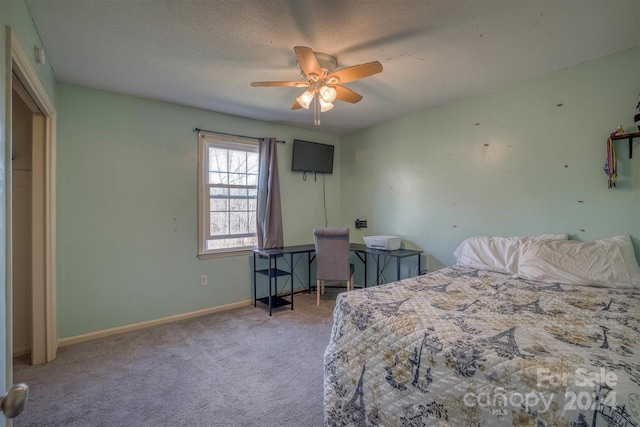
pixel 332 257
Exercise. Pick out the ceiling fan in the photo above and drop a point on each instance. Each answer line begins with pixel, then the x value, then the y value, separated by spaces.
pixel 323 83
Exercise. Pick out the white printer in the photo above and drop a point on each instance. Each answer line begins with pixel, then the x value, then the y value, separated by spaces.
pixel 383 241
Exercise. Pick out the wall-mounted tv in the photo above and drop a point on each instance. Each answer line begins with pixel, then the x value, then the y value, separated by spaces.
pixel 312 157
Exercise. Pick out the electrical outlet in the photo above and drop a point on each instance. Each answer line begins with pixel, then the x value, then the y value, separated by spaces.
pixel 203 280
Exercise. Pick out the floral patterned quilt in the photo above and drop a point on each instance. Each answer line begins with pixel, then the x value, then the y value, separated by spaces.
pixel 463 347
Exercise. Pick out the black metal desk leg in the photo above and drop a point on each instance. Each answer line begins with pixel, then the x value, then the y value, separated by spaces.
pixel 269 279
pixel 309 271
pixel 365 269
pixel 377 269
pixel 255 296
pixel 275 283
pixel 292 276
pixel 398 265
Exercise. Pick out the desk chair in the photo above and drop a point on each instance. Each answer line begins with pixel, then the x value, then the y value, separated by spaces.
pixel 332 257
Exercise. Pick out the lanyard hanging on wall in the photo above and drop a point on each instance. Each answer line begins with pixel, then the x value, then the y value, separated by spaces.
pixel 611 164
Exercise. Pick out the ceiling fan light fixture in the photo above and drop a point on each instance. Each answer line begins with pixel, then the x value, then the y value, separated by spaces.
pixel 305 99
pixel 325 106
pixel 328 94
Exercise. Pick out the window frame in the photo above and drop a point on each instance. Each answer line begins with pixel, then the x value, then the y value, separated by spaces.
pixel 206 140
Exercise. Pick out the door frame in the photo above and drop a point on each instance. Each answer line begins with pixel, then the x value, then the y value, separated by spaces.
pixel 44 341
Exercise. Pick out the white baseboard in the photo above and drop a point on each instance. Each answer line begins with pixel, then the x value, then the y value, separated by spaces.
pixel 142 325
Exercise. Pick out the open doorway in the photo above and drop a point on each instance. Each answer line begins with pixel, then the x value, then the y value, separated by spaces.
pixel 22 120
pixel 30 199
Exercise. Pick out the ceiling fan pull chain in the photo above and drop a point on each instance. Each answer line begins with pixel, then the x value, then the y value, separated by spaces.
pixel 316 110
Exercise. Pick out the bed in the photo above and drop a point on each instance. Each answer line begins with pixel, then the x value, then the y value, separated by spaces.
pixel 479 344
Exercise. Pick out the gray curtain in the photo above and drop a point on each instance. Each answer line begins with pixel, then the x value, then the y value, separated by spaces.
pixel 269 216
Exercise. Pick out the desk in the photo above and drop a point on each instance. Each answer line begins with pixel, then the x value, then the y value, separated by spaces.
pixel 273 272
pixel 362 251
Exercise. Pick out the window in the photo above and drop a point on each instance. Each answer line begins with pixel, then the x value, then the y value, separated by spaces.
pixel 228 194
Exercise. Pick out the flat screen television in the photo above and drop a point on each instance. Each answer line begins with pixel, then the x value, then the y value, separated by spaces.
pixel 312 157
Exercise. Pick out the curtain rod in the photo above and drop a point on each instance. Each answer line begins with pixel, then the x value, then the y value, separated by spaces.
pixel 231 134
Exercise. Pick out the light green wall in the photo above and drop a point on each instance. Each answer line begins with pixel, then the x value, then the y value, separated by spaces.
pixel 14 14
pixel 126 206
pixel 509 162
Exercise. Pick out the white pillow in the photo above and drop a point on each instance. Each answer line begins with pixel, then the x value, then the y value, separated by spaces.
pixel 595 263
pixel 629 256
pixel 489 253
pixel 495 253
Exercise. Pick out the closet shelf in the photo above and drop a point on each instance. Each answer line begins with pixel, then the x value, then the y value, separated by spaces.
pixel 630 137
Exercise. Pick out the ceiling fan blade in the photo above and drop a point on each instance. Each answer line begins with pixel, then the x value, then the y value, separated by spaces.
pixel 308 61
pixel 346 94
pixel 280 84
pixel 296 106
pixel 356 72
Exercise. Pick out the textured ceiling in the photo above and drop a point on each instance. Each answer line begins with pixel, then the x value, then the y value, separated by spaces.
pixel 205 54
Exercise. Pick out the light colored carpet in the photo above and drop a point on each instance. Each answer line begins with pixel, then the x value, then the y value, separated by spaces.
pixel 235 368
